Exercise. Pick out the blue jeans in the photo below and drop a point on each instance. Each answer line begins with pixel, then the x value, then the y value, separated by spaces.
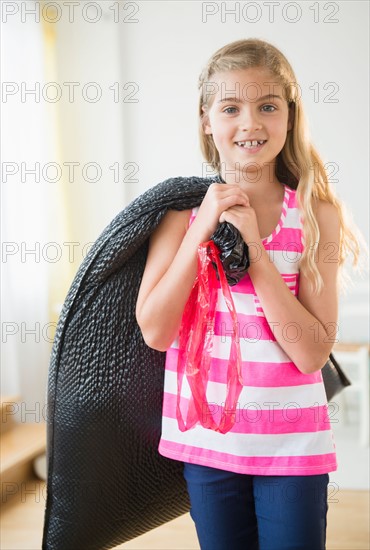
pixel 248 512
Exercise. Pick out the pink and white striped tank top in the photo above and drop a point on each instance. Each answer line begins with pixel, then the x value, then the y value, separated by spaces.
pixel 282 423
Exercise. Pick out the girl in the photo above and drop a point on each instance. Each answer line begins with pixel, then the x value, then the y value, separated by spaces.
pixel 263 484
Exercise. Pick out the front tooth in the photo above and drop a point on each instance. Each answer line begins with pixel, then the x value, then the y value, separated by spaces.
pixel 254 143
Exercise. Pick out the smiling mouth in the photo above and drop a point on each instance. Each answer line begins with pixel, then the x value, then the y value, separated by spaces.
pixel 251 144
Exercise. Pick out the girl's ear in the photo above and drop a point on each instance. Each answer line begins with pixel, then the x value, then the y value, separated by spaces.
pixel 205 121
pixel 291 115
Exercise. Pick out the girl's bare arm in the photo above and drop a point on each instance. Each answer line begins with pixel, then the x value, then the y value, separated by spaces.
pixel 167 280
pixel 171 265
pixel 305 328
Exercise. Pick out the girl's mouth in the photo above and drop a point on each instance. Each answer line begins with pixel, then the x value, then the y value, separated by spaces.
pixel 251 146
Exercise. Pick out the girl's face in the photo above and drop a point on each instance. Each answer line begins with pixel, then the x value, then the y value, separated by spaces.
pixel 248 119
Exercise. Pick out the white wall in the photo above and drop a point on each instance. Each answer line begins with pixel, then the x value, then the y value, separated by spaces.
pixel 91 130
pixel 24 351
pixel 36 214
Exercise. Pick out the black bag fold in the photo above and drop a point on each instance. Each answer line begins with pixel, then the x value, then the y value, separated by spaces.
pixel 234 254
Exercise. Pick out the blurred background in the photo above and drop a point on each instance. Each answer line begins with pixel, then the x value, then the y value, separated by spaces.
pixel 99 103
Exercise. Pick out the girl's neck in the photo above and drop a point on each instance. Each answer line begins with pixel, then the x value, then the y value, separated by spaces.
pixel 258 184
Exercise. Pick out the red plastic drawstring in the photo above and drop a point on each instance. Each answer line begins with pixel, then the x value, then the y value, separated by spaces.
pixel 196 338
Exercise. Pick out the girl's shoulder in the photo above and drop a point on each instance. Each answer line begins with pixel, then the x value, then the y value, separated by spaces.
pixel 325 208
pixel 174 224
pixel 327 216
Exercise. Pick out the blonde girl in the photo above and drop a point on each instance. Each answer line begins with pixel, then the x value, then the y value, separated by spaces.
pixel 263 484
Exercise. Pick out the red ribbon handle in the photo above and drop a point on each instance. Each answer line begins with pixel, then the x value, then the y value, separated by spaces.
pixel 196 338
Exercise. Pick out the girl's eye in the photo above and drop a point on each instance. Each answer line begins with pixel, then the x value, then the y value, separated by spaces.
pixel 230 110
pixel 268 108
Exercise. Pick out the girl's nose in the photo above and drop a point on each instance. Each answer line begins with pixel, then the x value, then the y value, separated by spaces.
pixel 249 121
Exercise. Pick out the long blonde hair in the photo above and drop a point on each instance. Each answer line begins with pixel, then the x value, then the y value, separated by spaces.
pixel 298 165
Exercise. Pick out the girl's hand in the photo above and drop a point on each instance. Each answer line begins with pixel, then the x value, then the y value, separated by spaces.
pixel 245 220
pixel 218 199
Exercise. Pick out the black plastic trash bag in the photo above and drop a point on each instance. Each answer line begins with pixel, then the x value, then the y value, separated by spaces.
pixel 234 254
